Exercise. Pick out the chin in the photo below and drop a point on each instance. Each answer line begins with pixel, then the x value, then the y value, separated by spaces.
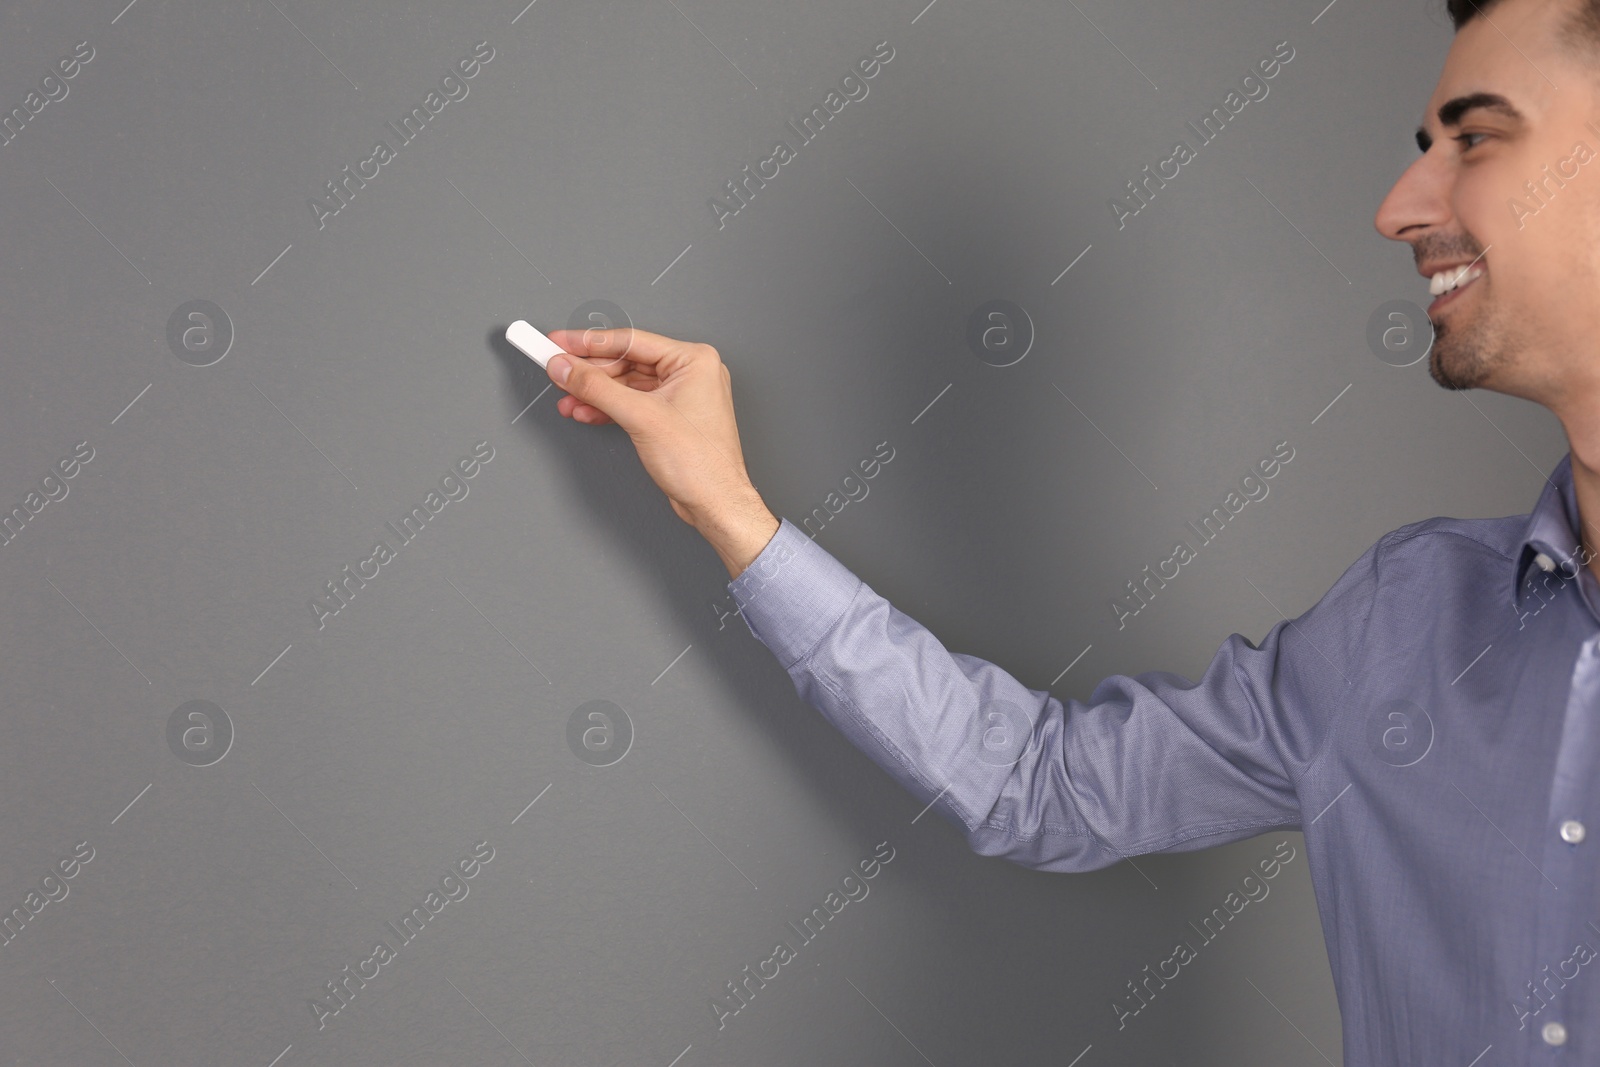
pixel 1471 352
pixel 1456 361
pixel 1447 371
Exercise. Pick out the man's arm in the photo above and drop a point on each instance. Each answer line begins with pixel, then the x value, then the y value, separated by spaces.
pixel 1150 763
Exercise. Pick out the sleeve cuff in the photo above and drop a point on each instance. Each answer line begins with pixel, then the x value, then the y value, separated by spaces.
pixel 793 593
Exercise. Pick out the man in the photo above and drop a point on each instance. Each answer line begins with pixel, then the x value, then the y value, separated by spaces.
pixel 1432 724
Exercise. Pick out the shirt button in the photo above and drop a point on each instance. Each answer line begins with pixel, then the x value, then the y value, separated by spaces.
pixel 1554 1034
pixel 1572 831
pixel 1545 563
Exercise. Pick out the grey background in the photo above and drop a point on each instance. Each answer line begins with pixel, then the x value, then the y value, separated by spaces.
pixel 370 755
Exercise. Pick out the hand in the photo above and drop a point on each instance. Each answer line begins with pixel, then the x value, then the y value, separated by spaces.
pixel 675 400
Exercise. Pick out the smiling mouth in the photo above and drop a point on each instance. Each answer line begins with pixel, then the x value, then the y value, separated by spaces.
pixel 1446 285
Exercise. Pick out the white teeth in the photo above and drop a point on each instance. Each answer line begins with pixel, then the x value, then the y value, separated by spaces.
pixel 1454 278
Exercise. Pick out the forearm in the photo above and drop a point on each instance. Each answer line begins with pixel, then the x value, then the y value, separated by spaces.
pixel 739 530
pixel 959 733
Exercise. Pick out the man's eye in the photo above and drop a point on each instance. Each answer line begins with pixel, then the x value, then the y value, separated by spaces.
pixel 1466 144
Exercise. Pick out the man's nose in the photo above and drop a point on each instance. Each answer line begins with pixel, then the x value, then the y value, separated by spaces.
pixel 1416 202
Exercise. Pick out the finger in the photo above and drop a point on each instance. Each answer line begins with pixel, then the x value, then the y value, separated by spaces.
pixel 643 380
pixel 641 347
pixel 573 408
pixel 570 407
pixel 623 371
pixel 617 367
pixel 567 404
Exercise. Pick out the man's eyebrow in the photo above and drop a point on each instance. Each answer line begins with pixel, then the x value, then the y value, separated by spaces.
pixel 1451 111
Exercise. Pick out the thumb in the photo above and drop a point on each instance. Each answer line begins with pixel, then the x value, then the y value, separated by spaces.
pixel 593 386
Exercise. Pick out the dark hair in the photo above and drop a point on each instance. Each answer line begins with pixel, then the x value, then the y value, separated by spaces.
pixel 1579 31
pixel 1461 11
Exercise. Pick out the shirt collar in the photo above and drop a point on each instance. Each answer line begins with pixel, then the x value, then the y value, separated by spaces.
pixel 1547 540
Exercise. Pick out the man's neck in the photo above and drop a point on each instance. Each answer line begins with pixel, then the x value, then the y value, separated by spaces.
pixel 1585 446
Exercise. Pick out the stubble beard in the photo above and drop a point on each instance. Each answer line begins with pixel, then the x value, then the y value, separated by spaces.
pixel 1467 353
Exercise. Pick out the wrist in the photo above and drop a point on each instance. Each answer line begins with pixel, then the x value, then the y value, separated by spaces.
pixel 739 530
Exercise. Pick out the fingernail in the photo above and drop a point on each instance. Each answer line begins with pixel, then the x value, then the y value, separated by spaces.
pixel 559 368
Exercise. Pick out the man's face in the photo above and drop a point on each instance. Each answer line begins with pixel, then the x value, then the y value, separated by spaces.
pixel 1528 326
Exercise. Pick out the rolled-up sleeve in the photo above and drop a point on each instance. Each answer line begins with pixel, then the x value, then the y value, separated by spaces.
pixel 1150 763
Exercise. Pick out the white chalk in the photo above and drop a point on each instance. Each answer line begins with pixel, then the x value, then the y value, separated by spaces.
pixel 531 343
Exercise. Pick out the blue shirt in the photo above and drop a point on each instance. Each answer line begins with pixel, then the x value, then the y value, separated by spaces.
pixel 1430 725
